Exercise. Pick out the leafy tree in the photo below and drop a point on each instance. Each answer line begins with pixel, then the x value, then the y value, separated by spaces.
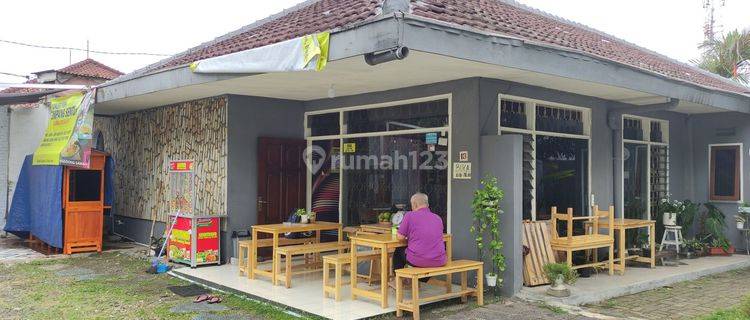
pixel 723 55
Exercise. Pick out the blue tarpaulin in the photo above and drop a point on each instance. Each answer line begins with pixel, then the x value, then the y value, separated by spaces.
pixel 37 204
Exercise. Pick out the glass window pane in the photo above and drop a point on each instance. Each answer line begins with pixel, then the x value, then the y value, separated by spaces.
pixel 632 129
pixel 326 180
pixel 553 119
pixel 656 133
pixel 635 160
pixel 659 176
pixel 324 124
pixel 512 114
pixel 724 163
pixel 431 114
pixel 561 175
pixel 383 172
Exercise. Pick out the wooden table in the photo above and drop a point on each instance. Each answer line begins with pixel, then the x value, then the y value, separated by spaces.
pixel 620 226
pixel 275 230
pixel 383 243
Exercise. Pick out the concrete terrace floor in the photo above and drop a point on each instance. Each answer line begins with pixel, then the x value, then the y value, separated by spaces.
pixel 601 287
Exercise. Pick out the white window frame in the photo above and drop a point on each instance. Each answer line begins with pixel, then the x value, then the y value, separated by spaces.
pixel 742 170
pixel 646 125
pixel 344 135
pixel 531 106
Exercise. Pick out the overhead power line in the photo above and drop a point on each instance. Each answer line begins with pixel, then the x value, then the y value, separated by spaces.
pixel 13 74
pixel 83 50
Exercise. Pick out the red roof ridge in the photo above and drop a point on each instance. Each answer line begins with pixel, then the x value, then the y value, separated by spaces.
pixel 91 68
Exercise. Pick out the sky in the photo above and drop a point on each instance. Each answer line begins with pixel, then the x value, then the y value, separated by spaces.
pixel 670 27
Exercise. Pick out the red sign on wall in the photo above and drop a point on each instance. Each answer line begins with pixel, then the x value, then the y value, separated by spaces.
pixel 181 166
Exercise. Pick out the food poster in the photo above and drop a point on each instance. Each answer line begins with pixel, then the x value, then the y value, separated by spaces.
pixel 207 240
pixel 180 240
pixel 78 150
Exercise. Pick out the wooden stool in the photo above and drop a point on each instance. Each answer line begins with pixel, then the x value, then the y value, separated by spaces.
pixel 243 260
pixel 338 262
pixel 678 240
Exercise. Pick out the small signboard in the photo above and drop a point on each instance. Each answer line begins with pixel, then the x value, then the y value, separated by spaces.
pixel 349 147
pixel 463 156
pixel 462 170
pixel 431 138
pixel 181 166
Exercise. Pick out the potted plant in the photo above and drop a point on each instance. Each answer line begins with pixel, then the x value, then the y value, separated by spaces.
pixel 305 216
pixel 486 227
pixel 560 274
pixel 670 209
pixel 693 248
pixel 714 223
pixel 740 218
pixel 384 218
pixel 721 247
pixel 645 244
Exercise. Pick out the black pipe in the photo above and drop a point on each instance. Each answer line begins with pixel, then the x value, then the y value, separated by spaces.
pixel 399 53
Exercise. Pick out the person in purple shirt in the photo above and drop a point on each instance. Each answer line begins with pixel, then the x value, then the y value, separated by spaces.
pixel 423 231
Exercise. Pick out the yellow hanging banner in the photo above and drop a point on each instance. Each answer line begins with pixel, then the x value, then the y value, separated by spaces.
pixel 64 112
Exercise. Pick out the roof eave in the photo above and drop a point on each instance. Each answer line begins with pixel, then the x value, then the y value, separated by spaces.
pixel 468 43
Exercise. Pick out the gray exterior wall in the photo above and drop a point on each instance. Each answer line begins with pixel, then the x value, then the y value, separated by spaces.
pixel 704 133
pixel 250 118
pixel 500 157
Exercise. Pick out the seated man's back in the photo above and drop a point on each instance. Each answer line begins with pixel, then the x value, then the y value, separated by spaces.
pixel 424 233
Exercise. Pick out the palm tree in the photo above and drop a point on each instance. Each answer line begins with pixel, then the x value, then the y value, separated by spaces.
pixel 723 56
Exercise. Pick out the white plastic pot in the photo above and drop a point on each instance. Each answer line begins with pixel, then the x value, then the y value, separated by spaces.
pixel 304 219
pixel 740 225
pixel 670 219
pixel 491 280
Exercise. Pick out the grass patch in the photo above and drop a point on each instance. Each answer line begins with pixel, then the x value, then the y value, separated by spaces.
pixel 554 309
pixel 121 290
pixel 740 312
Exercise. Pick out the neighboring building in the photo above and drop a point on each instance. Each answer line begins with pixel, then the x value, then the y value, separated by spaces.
pixel 28 121
pixel 563 114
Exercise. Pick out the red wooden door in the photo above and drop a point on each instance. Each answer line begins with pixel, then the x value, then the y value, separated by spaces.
pixel 281 178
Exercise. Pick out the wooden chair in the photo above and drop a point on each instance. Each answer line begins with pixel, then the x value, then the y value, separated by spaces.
pixel 594 240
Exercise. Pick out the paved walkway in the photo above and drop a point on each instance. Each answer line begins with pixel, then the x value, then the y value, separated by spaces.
pixel 12 249
pixel 684 300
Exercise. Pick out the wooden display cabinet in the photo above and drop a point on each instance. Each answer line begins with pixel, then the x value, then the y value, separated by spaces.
pixel 83 206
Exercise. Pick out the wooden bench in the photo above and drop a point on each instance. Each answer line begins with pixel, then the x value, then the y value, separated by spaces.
pixel 289 251
pixel 339 261
pixel 244 247
pixel 414 274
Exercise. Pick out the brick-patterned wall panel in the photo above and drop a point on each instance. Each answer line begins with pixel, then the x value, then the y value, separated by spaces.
pixel 143 143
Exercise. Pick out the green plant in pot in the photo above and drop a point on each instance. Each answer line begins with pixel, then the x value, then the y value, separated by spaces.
pixel 743 216
pixel 644 244
pixel 560 274
pixel 713 226
pixel 670 209
pixel 486 227
pixel 693 248
pixel 305 216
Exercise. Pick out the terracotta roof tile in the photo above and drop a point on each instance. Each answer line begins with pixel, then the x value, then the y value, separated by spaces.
pixel 91 68
pixel 495 16
pixel 510 18
pixel 308 18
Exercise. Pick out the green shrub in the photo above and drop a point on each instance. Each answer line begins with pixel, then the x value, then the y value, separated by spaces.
pixel 554 270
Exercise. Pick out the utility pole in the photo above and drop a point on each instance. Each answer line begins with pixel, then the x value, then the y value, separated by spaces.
pixel 87 48
pixel 709 25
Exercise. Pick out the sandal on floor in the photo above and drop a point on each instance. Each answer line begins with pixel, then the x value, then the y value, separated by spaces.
pixel 214 299
pixel 201 298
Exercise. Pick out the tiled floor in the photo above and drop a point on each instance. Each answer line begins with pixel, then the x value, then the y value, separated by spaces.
pixel 13 249
pixel 306 293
